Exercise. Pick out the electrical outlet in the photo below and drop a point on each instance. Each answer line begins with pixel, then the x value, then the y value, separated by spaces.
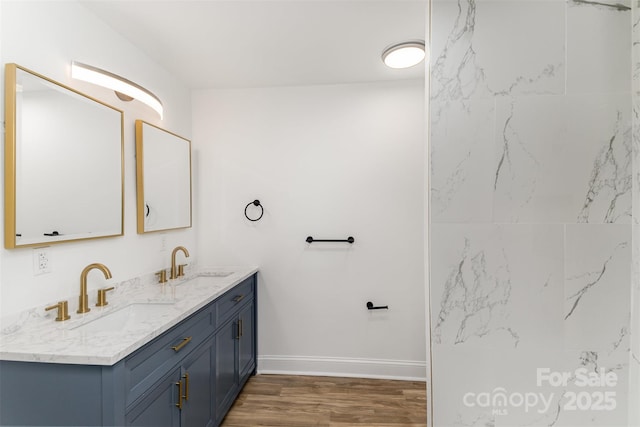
pixel 41 261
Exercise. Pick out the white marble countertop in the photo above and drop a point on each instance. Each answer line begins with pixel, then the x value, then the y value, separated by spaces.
pixel 34 336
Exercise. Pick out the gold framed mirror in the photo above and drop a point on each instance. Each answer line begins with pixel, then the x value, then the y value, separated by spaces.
pixel 163 172
pixel 64 171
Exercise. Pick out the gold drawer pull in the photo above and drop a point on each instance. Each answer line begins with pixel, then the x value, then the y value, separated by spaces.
pixel 182 344
pixel 238 298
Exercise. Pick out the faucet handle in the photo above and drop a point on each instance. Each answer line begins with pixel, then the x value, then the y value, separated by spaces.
pixel 181 269
pixel 63 310
pixel 102 296
pixel 162 276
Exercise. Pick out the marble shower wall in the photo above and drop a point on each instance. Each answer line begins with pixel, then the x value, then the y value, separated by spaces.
pixel 535 207
pixel 634 360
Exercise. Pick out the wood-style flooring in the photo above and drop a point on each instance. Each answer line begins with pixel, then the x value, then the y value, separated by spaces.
pixel 301 401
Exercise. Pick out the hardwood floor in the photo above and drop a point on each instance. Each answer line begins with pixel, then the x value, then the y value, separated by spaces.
pixel 301 401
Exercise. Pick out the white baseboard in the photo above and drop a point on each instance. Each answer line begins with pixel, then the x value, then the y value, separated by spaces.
pixel 407 370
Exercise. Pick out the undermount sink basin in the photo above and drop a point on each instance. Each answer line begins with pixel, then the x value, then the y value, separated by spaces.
pixel 131 317
pixel 216 274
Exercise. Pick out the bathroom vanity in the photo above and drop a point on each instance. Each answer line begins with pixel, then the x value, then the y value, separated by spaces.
pixel 173 355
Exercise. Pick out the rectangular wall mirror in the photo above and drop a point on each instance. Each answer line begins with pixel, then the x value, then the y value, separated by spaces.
pixel 163 161
pixel 63 163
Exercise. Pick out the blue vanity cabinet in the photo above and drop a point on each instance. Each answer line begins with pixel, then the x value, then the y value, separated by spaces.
pixel 226 368
pixel 159 407
pixel 211 376
pixel 181 398
pixel 235 347
pixel 157 385
pixel 247 342
pixel 197 377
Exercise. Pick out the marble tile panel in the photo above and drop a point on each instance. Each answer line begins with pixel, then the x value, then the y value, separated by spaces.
pixel 634 354
pixel 543 387
pixel 635 121
pixel 617 5
pixel 634 389
pixel 497 286
pixel 538 372
pixel 598 46
pixel 600 129
pixel 461 164
pixel 635 290
pixel 530 155
pixel 456 372
pixel 601 403
pixel 563 159
pixel 635 43
pixel 597 288
pixel 482 49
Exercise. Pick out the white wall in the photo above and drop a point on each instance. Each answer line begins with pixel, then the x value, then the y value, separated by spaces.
pixel 45 37
pixel 331 162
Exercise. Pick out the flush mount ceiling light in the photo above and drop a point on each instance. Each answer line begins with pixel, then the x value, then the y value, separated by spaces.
pixel 404 55
pixel 125 89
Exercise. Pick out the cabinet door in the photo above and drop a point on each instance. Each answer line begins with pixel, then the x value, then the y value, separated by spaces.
pixel 246 341
pixel 197 409
pixel 159 408
pixel 225 367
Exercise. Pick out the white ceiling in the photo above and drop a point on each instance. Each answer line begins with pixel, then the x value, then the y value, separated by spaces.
pixel 242 43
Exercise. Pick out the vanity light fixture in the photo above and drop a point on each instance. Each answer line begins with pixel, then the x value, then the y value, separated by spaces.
pixel 125 89
pixel 404 55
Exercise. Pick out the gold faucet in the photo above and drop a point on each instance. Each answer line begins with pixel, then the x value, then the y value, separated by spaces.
pixel 174 269
pixel 83 306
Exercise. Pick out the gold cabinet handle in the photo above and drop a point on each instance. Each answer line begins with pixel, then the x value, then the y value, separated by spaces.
pixel 63 310
pixel 241 326
pixel 186 386
pixel 102 296
pixel 179 404
pixel 184 342
pixel 238 298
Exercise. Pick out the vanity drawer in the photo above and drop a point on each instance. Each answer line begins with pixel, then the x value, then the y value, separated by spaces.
pixel 233 299
pixel 148 364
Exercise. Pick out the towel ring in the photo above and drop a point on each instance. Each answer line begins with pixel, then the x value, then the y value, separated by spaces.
pixel 255 203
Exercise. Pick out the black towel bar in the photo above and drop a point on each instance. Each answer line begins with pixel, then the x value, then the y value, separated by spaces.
pixel 347 240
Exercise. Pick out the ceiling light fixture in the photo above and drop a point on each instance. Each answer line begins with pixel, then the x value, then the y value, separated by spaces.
pixel 125 89
pixel 404 55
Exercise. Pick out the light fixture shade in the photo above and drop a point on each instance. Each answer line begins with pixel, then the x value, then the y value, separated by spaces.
pixel 116 83
pixel 404 55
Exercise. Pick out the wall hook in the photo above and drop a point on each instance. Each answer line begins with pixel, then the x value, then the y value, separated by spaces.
pixel 255 203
